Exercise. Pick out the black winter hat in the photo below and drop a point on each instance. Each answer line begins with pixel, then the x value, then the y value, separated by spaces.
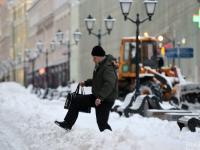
pixel 98 51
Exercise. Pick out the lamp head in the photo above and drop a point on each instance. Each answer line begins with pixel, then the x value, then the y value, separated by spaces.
pixel 90 21
pixel 150 6
pixel 109 23
pixel 125 7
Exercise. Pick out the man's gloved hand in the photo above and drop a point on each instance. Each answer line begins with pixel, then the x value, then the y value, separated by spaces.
pixel 97 102
pixel 82 83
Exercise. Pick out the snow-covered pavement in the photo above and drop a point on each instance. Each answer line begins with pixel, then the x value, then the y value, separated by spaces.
pixel 27 123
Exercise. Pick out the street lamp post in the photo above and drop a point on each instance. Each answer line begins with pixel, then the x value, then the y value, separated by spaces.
pixel 12 68
pixel 60 37
pixel 176 45
pixel 1 74
pixel 40 47
pixel 109 23
pixel 178 53
pixel 5 70
pixel 26 53
pixel 33 55
pixel 150 9
pixel 183 41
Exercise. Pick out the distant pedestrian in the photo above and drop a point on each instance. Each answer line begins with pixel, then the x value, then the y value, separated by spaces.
pixel 104 91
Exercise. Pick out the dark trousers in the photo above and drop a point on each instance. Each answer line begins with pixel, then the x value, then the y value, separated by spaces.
pixel 102 111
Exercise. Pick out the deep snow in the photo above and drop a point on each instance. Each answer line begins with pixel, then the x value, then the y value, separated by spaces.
pixel 27 123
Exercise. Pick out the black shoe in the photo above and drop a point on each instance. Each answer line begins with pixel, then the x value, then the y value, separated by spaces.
pixel 181 125
pixel 63 125
pixel 192 124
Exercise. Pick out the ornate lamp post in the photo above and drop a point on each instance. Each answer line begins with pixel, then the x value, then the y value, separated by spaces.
pixel 109 23
pixel 26 55
pixel 46 51
pixel 150 9
pixel 177 43
pixel 4 70
pixel 60 38
pixel 32 55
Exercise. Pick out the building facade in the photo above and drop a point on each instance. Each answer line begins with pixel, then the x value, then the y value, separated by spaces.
pixel 19 35
pixel 14 36
pixel 39 20
pixel 46 18
pixel 5 42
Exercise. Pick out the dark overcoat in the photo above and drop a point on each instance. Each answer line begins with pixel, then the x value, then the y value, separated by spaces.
pixel 104 81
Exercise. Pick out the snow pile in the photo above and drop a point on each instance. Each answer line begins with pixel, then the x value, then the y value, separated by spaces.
pixel 27 123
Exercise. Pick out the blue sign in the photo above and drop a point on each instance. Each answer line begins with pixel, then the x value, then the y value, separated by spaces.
pixel 183 53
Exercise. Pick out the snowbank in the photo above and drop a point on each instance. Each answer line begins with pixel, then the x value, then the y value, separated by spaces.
pixel 27 123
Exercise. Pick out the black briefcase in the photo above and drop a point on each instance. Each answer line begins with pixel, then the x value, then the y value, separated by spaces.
pixel 72 96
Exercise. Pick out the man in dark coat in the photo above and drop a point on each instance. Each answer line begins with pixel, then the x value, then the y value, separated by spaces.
pixel 104 91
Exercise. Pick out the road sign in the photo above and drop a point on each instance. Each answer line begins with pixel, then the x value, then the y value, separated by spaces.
pixel 183 52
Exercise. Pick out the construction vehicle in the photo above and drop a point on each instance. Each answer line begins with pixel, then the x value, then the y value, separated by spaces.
pixel 165 83
pixel 150 65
